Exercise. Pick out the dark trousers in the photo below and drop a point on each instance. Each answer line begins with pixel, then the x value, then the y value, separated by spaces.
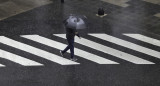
pixel 70 46
pixel 62 1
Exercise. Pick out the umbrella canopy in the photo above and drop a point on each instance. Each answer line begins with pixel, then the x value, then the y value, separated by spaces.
pixel 76 22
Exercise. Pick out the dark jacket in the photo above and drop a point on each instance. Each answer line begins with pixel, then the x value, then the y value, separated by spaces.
pixel 70 33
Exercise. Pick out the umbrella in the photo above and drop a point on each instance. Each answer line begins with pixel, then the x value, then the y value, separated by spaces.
pixel 77 22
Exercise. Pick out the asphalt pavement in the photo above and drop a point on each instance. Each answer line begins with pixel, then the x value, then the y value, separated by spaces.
pixel 121 48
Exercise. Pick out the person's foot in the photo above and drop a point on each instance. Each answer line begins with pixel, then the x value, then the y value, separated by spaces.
pixel 74 59
pixel 61 53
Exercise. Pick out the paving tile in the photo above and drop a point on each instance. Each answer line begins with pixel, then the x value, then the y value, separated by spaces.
pixel 153 1
pixel 121 3
pixel 13 7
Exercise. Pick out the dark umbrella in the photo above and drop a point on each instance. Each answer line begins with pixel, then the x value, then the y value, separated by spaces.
pixel 77 22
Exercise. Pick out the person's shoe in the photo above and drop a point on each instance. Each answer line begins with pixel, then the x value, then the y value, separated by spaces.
pixel 74 59
pixel 61 53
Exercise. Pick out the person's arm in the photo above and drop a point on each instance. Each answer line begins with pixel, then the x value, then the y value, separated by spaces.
pixel 77 34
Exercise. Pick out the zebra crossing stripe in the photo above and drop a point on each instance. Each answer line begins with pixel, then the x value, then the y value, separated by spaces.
pixel 109 50
pixel 128 44
pixel 18 59
pixel 36 51
pixel 144 39
pixel 2 65
pixel 78 52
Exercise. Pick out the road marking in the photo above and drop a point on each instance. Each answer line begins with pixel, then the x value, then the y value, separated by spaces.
pixel 36 51
pixel 108 50
pixel 157 15
pixel 18 59
pixel 144 39
pixel 61 46
pixel 128 44
pixel 2 65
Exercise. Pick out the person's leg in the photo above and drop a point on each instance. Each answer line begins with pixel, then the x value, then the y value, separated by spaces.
pixel 68 47
pixel 62 1
pixel 71 45
pixel 72 51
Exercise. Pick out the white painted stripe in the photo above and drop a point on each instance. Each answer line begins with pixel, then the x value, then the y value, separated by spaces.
pixel 36 51
pixel 128 44
pixel 18 59
pixel 110 51
pixel 61 46
pixel 144 39
pixel 2 65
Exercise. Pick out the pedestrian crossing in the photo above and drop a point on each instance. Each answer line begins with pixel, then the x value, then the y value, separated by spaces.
pixel 36 51
pixel 144 39
pixel 18 59
pixel 111 51
pixel 80 52
pixel 127 44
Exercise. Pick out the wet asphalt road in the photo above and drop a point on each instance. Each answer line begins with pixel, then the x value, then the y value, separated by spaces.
pixel 46 20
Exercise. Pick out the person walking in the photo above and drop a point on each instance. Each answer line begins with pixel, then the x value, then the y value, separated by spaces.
pixel 70 34
pixel 72 24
